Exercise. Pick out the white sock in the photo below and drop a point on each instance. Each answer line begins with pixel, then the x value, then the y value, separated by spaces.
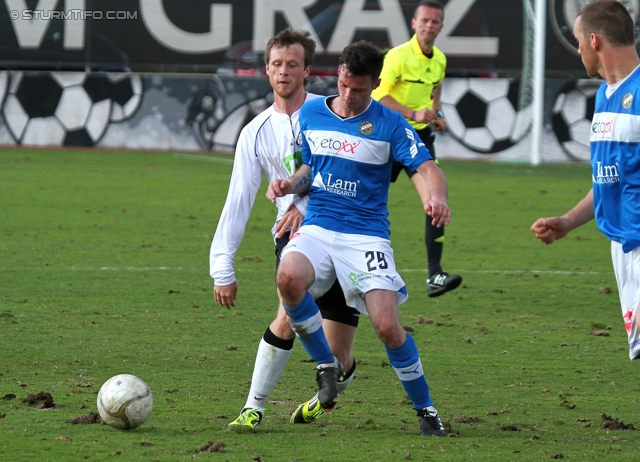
pixel 270 363
pixel 342 386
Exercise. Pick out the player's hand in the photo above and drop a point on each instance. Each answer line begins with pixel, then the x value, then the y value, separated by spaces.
pixel 226 295
pixel 278 188
pixel 439 124
pixel 292 219
pixel 425 116
pixel 439 211
pixel 547 230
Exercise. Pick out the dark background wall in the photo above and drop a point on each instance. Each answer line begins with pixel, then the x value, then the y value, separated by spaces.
pixel 177 35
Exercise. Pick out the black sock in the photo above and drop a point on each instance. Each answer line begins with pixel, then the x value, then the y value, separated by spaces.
pixel 348 374
pixel 434 241
pixel 277 342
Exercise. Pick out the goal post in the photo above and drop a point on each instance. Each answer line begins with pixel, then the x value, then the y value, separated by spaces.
pixel 533 71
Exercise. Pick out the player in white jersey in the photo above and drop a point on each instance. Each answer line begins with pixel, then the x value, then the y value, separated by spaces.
pixel 349 144
pixel 271 144
pixel 605 34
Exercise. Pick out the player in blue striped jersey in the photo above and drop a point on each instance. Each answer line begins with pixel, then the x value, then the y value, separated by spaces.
pixel 350 142
pixel 605 34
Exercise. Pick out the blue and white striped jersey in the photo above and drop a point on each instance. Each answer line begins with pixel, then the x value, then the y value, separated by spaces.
pixel 350 162
pixel 615 161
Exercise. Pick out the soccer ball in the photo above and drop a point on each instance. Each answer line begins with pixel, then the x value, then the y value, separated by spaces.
pixel 68 108
pixel 571 117
pixel 482 114
pixel 125 402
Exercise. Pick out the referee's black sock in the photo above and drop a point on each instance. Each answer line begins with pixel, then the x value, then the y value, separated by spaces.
pixel 434 240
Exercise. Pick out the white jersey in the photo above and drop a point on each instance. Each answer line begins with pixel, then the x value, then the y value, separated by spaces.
pixel 270 143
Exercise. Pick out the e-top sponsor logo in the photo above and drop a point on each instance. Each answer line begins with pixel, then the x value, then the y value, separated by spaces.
pixel 344 146
pixel 603 128
pixel 331 146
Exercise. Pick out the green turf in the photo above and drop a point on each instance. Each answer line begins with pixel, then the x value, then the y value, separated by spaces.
pixel 104 270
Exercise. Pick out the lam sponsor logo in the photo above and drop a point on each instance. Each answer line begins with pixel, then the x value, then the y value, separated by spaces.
pixel 606 174
pixel 337 186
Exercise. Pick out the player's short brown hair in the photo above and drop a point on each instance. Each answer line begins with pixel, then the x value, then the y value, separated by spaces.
pixel 361 59
pixel 610 19
pixel 289 37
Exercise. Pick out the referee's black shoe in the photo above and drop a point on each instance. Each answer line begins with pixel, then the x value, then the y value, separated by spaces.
pixel 441 283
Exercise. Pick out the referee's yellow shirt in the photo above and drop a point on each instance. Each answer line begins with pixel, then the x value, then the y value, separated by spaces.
pixel 410 77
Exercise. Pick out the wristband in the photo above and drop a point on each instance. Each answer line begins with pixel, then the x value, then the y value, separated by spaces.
pixel 413 116
pixel 439 114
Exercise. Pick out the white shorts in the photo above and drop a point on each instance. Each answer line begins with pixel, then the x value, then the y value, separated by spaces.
pixel 627 269
pixel 361 263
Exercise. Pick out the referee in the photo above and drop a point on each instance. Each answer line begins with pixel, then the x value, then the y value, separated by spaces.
pixel 410 84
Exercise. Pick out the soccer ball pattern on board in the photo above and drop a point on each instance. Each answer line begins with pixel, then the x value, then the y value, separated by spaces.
pixel 483 115
pixel 125 402
pixel 571 117
pixel 67 108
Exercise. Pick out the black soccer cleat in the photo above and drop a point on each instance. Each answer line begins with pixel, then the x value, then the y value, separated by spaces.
pixel 327 376
pixel 430 423
pixel 441 283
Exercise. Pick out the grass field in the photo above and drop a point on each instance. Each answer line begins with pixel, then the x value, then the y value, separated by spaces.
pixel 104 270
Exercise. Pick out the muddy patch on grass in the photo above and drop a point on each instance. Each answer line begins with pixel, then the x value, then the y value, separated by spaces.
pixel 45 400
pixel 610 423
pixel 93 418
pixel 220 446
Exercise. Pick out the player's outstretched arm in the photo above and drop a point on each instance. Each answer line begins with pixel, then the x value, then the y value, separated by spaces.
pixel 299 183
pixel 548 230
pixel 226 295
pixel 436 207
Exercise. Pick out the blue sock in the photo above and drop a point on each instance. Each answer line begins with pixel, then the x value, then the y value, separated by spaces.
pixel 306 322
pixel 406 362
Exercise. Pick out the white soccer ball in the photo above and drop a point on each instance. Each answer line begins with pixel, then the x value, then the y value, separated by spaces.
pixel 125 402
pixel 482 114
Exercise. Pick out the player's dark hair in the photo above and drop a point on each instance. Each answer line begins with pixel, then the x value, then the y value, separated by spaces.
pixel 430 4
pixel 289 37
pixel 609 18
pixel 361 59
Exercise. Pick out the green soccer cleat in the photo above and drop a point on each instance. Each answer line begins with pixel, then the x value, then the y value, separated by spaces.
pixel 247 420
pixel 308 411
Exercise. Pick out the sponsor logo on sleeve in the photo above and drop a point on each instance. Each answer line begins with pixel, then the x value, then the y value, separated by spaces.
pixel 414 145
